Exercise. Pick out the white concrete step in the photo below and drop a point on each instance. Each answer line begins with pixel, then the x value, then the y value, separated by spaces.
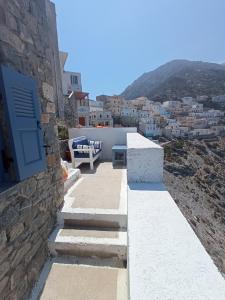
pixel 105 218
pixel 73 176
pixel 69 281
pixel 89 243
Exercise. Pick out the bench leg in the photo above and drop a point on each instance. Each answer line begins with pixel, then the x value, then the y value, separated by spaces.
pixel 91 165
pixel 73 163
pixel 91 160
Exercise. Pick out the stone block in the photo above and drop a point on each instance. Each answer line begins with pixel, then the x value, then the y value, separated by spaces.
pixel 50 107
pixel 16 276
pixel 12 39
pixel 30 255
pixel 48 91
pixel 20 254
pixel 3 239
pixel 4 268
pixel 3 283
pixel 29 188
pixel 51 159
pixel 2 16
pixel 10 217
pixel 44 118
pixel 11 22
pixel 5 254
pixel 16 231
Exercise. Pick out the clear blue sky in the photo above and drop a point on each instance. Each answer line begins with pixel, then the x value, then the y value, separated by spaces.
pixel 112 42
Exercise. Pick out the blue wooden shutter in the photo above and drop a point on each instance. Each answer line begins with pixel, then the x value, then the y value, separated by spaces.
pixel 1 162
pixel 22 106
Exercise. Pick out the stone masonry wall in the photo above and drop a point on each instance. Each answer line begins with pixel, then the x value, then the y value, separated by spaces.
pixel 28 209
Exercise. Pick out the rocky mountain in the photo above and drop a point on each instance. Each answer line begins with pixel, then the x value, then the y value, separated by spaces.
pixel 194 174
pixel 179 78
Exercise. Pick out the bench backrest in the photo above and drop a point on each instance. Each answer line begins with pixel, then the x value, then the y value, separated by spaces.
pixel 81 140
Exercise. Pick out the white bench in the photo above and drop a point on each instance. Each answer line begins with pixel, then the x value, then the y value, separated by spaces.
pixel 83 150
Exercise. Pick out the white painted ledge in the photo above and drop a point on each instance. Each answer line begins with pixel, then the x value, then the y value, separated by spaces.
pixel 144 159
pixel 165 258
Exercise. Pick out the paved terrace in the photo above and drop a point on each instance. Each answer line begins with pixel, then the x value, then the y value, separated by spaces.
pixel 165 258
pixel 100 189
pixel 89 246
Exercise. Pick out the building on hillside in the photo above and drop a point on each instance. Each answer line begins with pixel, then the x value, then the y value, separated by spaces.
pixel 187 100
pixel 171 104
pixel 197 107
pixel 101 118
pixel 112 103
pixel 129 112
pixel 149 128
pixel 71 81
pixel 202 98
pixel 95 106
pixel 217 130
pixel 129 116
pixel 83 109
pixel 172 130
pixel 139 102
pixel 201 132
pixel 77 109
pixel 219 99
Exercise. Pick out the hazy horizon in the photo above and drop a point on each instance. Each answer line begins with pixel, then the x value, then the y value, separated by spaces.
pixel 112 43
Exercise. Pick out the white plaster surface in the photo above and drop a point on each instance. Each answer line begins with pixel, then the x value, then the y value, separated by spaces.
pixel 74 175
pixel 165 258
pixel 92 244
pixel 144 159
pixel 109 137
pixel 117 216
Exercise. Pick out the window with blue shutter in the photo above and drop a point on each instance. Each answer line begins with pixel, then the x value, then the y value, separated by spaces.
pixel 22 108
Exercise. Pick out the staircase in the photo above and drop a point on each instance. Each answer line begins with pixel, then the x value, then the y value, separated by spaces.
pixel 89 243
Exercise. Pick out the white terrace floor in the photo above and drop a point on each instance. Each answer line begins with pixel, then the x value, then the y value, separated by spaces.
pixel 99 196
pixel 91 241
pixel 100 189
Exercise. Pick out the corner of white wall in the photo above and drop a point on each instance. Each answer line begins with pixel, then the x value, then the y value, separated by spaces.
pixel 144 160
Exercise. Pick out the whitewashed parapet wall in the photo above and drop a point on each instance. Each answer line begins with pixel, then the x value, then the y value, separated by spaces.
pixel 108 136
pixel 165 258
pixel 144 159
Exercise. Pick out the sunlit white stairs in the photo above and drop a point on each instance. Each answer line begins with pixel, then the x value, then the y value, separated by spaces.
pixel 88 243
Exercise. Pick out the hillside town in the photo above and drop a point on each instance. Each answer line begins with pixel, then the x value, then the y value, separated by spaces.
pixel 187 117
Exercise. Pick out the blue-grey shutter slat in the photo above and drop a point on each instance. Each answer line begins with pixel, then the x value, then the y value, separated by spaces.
pixel 1 162
pixel 21 102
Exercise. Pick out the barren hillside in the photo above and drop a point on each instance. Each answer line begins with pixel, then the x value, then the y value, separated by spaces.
pixel 195 177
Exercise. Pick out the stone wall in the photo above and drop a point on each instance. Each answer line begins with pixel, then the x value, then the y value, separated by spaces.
pixel 28 209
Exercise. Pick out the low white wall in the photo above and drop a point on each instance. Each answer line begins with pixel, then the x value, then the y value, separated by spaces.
pixel 165 258
pixel 109 137
pixel 144 159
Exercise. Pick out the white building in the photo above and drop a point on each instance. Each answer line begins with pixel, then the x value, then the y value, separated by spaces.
pixel 187 100
pixel 129 112
pixel 95 105
pixel 219 99
pixel 101 118
pixel 172 104
pixel 149 128
pixel 172 130
pixel 197 107
pixel 71 81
